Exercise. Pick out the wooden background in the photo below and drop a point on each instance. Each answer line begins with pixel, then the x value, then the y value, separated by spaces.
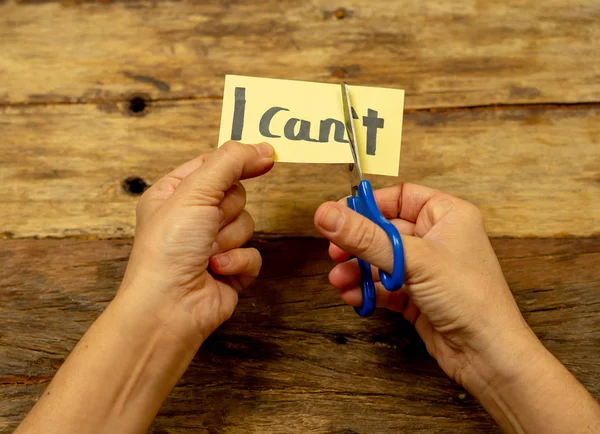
pixel 98 99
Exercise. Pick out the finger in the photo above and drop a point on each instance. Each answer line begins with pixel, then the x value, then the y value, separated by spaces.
pixel 340 255
pixel 232 204
pixel 162 189
pixel 403 200
pixel 404 226
pixel 414 203
pixel 361 237
pixel 395 301
pixel 389 209
pixel 227 165
pixel 347 275
pixel 241 264
pixel 235 234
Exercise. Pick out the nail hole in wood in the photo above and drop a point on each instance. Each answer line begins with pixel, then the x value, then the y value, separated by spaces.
pixel 137 105
pixel 340 14
pixel 349 71
pixel 341 340
pixel 6 235
pixel 338 72
pixel 134 185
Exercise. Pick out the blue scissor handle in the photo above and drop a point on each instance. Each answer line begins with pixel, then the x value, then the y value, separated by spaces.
pixel 366 205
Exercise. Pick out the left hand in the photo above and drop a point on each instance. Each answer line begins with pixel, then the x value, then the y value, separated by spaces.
pixel 123 368
pixel 191 220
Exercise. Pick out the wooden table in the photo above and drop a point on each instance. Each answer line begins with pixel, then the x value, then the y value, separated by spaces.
pixel 99 99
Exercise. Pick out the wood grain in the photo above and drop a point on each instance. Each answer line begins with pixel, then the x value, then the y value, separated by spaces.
pixel 467 53
pixel 293 358
pixel 532 171
pixel 486 86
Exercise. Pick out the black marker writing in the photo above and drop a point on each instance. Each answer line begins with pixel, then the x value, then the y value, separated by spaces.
pixel 239 110
pixel 373 123
pixel 290 130
pixel 325 131
pixel 265 122
pixel 296 129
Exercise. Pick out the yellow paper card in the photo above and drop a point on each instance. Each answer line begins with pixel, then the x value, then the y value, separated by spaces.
pixel 304 121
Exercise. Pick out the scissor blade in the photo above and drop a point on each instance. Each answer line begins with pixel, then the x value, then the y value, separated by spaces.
pixel 355 171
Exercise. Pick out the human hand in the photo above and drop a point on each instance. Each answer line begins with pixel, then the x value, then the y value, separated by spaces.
pixel 193 219
pixel 459 302
pixel 190 221
pixel 454 293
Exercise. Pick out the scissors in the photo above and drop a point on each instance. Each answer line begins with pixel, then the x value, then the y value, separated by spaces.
pixel 363 202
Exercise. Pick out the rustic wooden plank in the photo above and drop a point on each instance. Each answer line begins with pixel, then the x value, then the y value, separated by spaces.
pixel 532 171
pixel 459 54
pixel 292 358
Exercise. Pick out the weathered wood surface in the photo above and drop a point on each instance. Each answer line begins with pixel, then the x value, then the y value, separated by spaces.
pixel 532 171
pixel 68 70
pixel 444 54
pixel 293 358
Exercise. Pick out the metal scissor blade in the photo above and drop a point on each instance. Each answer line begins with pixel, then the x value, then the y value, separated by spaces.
pixel 355 171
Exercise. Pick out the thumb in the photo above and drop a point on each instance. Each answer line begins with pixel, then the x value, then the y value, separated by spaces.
pixel 360 237
pixel 230 163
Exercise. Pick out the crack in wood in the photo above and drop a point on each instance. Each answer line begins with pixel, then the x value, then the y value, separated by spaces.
pixel 442 109
pixel 28 380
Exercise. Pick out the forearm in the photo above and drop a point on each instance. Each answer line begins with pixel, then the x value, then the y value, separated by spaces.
pixel 530 391
pixel 116 378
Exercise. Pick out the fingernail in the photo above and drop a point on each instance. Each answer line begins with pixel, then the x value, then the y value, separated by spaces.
pixel 221 215
pixel 332 220
pixel 215 249
pixel 265 150
pixel 223 261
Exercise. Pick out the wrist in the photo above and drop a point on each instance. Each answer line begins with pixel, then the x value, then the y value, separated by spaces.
pixel 117 376
pixel 139 359
pixel 526 389
pixel 158 355
pixel 497 375
pixel 502 361
pixel 152 298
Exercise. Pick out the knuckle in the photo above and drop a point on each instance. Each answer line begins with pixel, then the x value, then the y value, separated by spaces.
pixel 471 212
pixel 202 159
pixel 443 204
pixel 363 236
pixel 141 204
pixel 231 146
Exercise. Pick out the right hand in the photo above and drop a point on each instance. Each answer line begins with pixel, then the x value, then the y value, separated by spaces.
pixel 454 293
